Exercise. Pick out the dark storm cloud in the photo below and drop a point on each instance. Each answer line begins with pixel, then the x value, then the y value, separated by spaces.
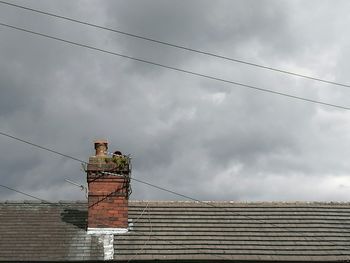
pixel 200 137
pixel 224 27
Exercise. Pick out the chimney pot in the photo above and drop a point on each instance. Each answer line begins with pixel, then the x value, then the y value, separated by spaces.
pixel 101 147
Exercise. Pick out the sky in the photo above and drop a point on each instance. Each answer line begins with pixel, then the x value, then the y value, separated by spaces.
pixel 202 138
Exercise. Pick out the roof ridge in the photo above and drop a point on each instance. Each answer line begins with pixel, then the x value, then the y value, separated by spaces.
pixel 185 202
pixel 42 202
pixel 242 202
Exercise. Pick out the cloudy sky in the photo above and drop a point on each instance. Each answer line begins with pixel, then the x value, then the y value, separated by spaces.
pixel 200 137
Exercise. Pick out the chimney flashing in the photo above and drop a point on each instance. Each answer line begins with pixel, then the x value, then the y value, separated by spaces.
pixel 106 230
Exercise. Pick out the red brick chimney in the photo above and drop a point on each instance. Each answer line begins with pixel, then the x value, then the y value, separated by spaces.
pixel 108 180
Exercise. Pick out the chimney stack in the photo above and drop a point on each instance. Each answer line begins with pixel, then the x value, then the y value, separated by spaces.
pixel 108 180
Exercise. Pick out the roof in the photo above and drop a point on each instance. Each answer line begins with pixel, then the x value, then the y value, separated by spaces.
pixel 181 230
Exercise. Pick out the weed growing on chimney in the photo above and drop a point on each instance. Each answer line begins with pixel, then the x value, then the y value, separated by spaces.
pixel 120 160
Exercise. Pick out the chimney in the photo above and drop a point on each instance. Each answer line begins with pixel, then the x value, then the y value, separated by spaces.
pixel 108 180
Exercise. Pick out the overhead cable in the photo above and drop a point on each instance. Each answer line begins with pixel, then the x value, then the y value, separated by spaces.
pixel 23 193
pixel 178 69
pixel 177 46
pixel 40 147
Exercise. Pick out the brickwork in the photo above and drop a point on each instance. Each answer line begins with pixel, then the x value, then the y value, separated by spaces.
pixel 108 195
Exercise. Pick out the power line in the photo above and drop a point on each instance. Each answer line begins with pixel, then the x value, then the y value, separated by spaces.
pixel 225 257
pixel 163 189
pixel 41 147
pixel 23 193
pixel 33 196
pixel 169 191
pixel 178 69
pixel 178 46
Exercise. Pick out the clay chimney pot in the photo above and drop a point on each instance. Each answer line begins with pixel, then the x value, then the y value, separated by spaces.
pixel 101 147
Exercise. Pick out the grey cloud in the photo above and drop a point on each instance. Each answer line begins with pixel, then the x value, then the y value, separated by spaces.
pixel 202 138
pixel 224 27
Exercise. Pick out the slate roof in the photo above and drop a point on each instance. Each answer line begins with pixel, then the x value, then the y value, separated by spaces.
pixel 35 231
pixel 181 230
pixel 238 231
